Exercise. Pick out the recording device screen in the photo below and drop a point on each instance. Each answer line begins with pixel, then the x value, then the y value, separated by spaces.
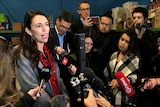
pixel 95 19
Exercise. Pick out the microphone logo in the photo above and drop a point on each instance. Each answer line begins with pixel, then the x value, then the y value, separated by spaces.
pixel 64 61
pixel 127 88
pixel 75 81
pixel 45 70
pixel 125 84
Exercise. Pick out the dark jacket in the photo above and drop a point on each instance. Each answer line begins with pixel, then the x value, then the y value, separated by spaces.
pixel 78 27
pixel 25 101
pixel 107 43
pixel 53 40
pixel 147 48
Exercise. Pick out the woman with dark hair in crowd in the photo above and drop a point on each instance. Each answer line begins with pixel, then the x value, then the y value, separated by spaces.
pixel 125 60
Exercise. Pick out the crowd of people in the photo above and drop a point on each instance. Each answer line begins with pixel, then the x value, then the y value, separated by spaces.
pixel 44 70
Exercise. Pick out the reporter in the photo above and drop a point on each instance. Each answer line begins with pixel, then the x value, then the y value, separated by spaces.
pixel 84 20
pixel 126 61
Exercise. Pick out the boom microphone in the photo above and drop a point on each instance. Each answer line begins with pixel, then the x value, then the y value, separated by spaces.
pixel 124 83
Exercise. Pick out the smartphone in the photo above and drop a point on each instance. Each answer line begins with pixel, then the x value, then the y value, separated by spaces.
pixel 95 19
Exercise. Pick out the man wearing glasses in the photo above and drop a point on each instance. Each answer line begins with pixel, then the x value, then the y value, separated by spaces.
pixel 61 40
pixel 84 17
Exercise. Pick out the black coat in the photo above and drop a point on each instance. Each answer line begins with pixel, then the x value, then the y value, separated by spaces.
pixel 78 27
pixel 53 40
pixel 26 101
pixel 107 43
pixel 147 49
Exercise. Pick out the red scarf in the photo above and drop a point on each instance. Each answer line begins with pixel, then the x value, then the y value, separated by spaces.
pixel 47 61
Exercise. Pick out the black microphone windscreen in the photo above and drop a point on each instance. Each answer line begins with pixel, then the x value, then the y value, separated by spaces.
pixel 44 73
pixel 95 80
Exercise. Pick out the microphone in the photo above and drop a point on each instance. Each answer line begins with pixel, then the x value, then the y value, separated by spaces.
pixel 124 83
pixel 98 85
pixel 90 81
pixel 44 75
pixel 93 79
pixel 63 59
pixel 79 82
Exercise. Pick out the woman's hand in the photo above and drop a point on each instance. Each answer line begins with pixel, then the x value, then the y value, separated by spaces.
pixel 114 84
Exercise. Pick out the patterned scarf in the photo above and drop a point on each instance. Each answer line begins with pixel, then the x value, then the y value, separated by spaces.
pixel 47 61
pixel 127 65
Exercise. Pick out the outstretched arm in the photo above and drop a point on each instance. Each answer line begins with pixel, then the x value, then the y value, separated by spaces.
pixel 151 83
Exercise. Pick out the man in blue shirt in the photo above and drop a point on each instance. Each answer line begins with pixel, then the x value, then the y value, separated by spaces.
pixel 61 40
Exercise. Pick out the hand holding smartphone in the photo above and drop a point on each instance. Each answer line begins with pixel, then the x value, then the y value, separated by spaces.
pixel 95 19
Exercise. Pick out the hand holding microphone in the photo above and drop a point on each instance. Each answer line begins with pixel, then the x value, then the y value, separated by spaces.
pixel 125 84
pixel 66 61
pixel 44 75
pixel 114 84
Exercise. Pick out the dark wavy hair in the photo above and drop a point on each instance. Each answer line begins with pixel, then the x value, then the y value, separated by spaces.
pixel 27 45
pixel 142 10
pixel 132 47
